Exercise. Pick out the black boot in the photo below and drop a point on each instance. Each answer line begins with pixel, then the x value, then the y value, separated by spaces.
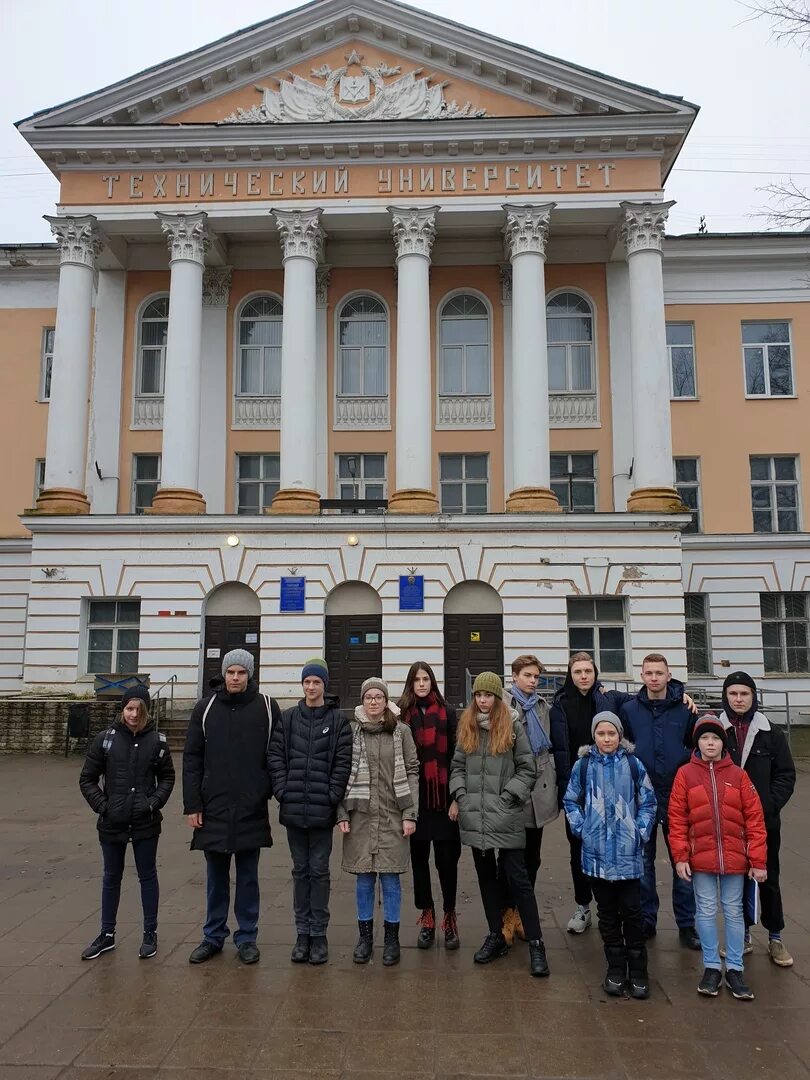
pixel 427 931
pixel 493 947
pixel 391 944
pixel 300 951
pixel 538 965
pixel 616 974
pixel 365 943
pixel 637 972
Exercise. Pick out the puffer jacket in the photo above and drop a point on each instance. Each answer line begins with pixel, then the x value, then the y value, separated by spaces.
pixel 715 818
pixel 660 731
pixel 491 790
pixel 310 758
pixel 127 782
pixel 560 732
pixel 610 812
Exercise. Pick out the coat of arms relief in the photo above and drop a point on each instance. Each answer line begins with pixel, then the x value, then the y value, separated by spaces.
pixel 354 91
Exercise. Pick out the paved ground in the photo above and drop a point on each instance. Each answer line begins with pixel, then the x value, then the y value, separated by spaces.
pixel 436 1015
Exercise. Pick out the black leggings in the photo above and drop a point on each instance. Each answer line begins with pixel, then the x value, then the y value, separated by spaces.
pixel 435 827
pixel 513 864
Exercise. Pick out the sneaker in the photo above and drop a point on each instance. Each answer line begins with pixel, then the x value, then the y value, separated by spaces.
pixel 580 920
pixel 204 951
pixel 687 935
pixel 748 948
pixel 248 952
pixel 779 954
pixel 493 947
pixel 148 945
pixel 538 964
pixel 711 982
pixel 103 943
pixel 736 984
pixel 427 928
pixel 450 930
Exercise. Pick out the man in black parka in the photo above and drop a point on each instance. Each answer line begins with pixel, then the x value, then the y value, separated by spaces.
pixel 310 759
pixel 226 789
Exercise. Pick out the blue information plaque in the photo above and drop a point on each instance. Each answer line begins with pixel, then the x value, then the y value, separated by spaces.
pixel 411 592
pixel 293 594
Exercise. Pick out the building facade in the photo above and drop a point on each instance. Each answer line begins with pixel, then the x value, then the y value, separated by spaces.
pixel 360 253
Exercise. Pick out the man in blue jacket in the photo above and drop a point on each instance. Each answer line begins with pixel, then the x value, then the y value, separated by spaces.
pixel 656 721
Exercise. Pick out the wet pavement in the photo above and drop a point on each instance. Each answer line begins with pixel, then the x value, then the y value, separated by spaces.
pixel 436 1015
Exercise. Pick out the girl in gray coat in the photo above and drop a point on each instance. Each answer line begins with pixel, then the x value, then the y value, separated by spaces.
pixel 491 778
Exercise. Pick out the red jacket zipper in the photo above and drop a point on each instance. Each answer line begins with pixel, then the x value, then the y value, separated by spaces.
pixel 717 817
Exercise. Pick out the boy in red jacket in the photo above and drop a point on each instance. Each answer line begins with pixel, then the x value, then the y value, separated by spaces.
pixel 717 836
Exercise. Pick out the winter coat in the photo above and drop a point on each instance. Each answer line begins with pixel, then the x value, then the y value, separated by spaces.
pixel 225 774
pixel 491 790
pixel 542 806
pixel 560 733
pixel 612 813
pixel 310 758
pixel 374 843
pixel 128 782
pixel 767 759
pixel 660 731
pixel 715 818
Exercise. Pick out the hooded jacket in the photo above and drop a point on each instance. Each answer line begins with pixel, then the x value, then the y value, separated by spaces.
pixel 767 759
pixel 660 730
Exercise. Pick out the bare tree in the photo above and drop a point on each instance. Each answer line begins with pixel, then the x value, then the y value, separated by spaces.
pixel 789 19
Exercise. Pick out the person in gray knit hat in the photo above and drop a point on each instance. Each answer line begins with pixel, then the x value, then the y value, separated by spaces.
pixel 226 743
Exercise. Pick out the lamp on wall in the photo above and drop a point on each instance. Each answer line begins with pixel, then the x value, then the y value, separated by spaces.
pixel 232 541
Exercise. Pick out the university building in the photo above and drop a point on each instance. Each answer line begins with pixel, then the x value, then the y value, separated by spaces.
pixel 359 254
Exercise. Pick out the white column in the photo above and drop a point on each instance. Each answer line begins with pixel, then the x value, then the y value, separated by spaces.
pixel 643 233
pixel 215 394
pixel 414 230
pixel 104 438
pixel 66 446
pixel 506 303
pixel 302 242
pixel 526 233
pixel 180 463
pixel 322 281
pixel 621 380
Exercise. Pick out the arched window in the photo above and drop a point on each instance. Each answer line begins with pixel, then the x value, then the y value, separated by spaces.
pixel 152 333
pixel 259 367
pixel 363 348
pixel 569 322
pixel 464 347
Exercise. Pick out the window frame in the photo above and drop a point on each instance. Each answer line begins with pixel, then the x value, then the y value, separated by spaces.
pixel 46 364
pixel 137 482
pixel 39 477
pixel 696 513
pixel 261 480
pixel 573 290
pixel 772 483
pixel 580 481
pixel 672 395
pixel 443 303
pixel 705 623
pixel 139 347
pixel 358 294
pixel 115 626
pixel 237 327
pixel 768 396
pixel 361 481
pixel 597 624
pixel 464 480
pixel 782 622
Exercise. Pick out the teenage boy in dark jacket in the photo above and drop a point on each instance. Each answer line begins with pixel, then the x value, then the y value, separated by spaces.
pixel 310 759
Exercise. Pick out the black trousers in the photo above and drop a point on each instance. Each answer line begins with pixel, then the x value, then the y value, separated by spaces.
pixel 310 850
pixel 531 854
pixel 770 895
pixel 435 827
pixel 618 909
pixel 513 864
pixel 583 885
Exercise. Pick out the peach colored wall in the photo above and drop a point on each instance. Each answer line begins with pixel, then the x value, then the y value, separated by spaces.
pixel 722 428
pixel 25 422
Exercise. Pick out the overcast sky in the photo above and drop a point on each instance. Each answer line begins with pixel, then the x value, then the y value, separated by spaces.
pixel 753 93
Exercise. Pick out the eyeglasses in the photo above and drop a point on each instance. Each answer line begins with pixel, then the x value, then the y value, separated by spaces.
pixel 373 700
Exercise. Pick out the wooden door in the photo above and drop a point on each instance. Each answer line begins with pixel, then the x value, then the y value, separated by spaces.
pixel 472 643
pixel 353 653
pixel 226 632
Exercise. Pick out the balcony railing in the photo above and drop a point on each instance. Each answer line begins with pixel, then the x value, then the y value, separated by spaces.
pixel 148 412
pixel 573 410
pixel 260 413
pixel 362 413
pixel 464 411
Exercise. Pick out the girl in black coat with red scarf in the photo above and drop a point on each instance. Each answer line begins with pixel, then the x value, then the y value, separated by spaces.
pixel 433 726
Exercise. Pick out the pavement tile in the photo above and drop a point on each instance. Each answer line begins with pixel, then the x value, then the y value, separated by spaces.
pixel 131 1046
pixel 225 1048
pixel 411 1052
pixel 302 1050
pixel 572 1056
pixel 30 1072
pixel 472 1055
pixel 37 1044
pixel 644 1059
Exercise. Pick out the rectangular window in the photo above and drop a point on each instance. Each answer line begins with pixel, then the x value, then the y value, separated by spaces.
pixel 113 632
pixel 257 481
pixel 361 476
pixel 697 634
pixel 596 626
pixel 464 483
pixel 681 349
pixel 767 357
pixel 785 633
pixel 573 481
pixel 39 477
pixel 775 494
pixel 687 484
pixel 46 363
pixel 145 480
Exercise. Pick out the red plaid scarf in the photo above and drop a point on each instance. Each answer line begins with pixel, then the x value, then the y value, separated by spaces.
pixel 428 725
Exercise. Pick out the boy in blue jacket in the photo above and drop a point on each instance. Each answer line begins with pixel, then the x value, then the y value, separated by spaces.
pixel 610 806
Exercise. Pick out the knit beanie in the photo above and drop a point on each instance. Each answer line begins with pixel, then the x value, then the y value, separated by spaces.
pixel 709 723
pixel 488 683
pixel 136 693
pixel 374 684
pixel 607 718
pixel 740 678
pixel 239 658
pixel 317 667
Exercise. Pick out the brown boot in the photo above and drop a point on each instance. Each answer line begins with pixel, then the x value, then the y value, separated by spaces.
pixel 518 925
pixel 508 927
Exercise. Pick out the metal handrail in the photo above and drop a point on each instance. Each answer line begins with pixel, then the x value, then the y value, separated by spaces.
pixel 171 682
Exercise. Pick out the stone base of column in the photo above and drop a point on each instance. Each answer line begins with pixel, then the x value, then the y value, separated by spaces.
pixel 532 500
pixel 655 500
pixel 62 501
pixel 295 501
pixel 413 501
pixel 177 501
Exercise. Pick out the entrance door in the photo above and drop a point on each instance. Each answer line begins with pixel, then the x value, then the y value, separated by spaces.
pixel 226 632
pixel 472 643
pixel 353 653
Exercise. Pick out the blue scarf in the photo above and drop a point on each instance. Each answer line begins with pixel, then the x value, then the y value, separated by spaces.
pixel 537 736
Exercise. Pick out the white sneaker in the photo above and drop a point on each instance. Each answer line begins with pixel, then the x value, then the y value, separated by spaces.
pixel 580 920
pixel 748 948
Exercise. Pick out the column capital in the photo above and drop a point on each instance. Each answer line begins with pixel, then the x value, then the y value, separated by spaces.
pixel 187 236
pixel 216 285
pixel 323 277
pixel 505 272
pixel 526 228
pixel 78 239
pixel 413 229
pixel 301 233
pixel 643 225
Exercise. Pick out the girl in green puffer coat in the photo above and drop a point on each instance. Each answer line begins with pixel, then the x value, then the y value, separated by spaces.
pixel 491 777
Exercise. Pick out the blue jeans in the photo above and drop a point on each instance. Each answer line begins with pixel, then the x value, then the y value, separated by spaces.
pixel 683 899
pixel 246 901
pixel 391 894
pixel 731 900
pixel 145 852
